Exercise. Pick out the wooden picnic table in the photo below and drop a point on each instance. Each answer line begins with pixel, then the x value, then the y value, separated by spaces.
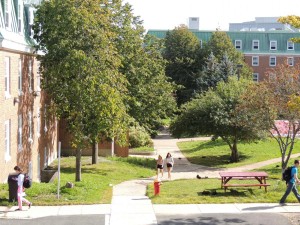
pixel 259 176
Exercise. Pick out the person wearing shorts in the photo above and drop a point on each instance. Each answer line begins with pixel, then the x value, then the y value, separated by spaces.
pixel 170 164
pixel 160 166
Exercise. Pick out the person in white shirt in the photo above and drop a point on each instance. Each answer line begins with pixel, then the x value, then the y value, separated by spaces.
pixel 21 194
pixel 170 164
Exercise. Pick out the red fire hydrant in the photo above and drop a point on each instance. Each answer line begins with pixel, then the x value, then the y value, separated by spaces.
pixel 157 186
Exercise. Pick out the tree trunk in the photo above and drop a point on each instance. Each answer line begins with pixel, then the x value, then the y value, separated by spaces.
pixel 78 164
pixel 234 153
pixel 95 153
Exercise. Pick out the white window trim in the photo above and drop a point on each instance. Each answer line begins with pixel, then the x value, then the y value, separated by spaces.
pixel 45 119
pixel 20 132
pixel 7 141
pixel 272 57
pixel 257 77
pixel 7 77
pixel 253 41
pixel 240 45
pixel 30 75
pixel 30 140
pixel 38 80
pixel 287 45
pixel 7 10
pixel 253 57
pixel 38 127
pixel 292 58
pixel 20 78
pixel 275 45
pixel 20 16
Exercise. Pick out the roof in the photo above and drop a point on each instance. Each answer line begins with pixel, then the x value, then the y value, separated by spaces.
pixel 264 38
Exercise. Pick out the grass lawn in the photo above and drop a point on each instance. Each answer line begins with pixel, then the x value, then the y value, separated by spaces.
pixel 141 150
pixel 217 153
pixel 96 184
pixel 191 191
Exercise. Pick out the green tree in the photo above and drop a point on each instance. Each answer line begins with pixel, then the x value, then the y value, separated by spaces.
pixel 150 91
pixel 184 60
pixel 276 99
pixel 293 21
pixel 80 67
pixel 215 113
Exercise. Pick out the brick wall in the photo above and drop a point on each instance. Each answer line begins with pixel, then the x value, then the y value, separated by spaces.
pixel 31 155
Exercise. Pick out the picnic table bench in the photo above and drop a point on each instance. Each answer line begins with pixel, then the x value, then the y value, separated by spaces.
pixel 259 176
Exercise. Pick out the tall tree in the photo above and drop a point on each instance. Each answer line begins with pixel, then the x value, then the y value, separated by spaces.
pixel 276 99
pixel 222 61
pixel 215 113
pixel 80 69
pixel 184 60
pixel 150 91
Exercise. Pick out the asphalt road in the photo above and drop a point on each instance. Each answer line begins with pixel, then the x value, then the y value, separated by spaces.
pixel 58 220
pixel 224 219
pixel 191 219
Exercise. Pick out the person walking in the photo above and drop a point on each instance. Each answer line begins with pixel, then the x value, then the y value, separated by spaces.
pixel 160 166
pixel 170 164
pixel 291 185
pixel 21 192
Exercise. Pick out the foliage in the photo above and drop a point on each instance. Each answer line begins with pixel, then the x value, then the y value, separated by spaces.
pixel 293 21
pixel 139 137
pixel 214 113
pixel 273 99
pixel 150 96
pixel 183 54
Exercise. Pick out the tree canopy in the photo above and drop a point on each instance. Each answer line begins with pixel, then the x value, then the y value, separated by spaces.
pixel 276 99
pixel 293 21
pixel 215 113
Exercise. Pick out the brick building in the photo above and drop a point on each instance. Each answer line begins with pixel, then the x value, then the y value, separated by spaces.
pixel 28 134
pixel 263 50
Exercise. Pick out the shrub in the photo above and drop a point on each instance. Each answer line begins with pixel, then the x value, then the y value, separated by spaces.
pixel 139 137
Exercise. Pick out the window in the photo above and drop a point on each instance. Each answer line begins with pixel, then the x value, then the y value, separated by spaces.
pixel 201 43
pixel 45 119
pixel 7 76
pixel 7 140
pixel 30 140
pixel 238 44
pixel 30 75
pixel 290 61
pixel 255 44
pixel 255 60
pixel 20 124
pixel 20 16
pixel 273 45
pixel 38 80
pixel 20 77
pixel 7 9
pixel 272 61
pixel 30 21
pixel 45 157
pixel 38 127
pixel 290 45
pixel 255 77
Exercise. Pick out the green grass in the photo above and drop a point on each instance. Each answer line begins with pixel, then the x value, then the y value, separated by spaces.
pixel 96 184
pixel 191 191
pixel 217 153
pixel 144 149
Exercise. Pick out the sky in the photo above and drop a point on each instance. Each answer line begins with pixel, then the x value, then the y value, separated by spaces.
pixel 167 14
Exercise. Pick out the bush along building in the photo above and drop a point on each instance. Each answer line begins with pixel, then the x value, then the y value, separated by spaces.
pixel 262 50
pixel 28 134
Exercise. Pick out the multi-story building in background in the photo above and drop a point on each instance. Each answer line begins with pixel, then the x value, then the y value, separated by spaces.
pixel 28 132
pixel 262 50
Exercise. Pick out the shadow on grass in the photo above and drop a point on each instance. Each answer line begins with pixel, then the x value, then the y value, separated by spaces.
pixel 222 193
pixel 206 145
pixel 219 161
pixel 142 162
